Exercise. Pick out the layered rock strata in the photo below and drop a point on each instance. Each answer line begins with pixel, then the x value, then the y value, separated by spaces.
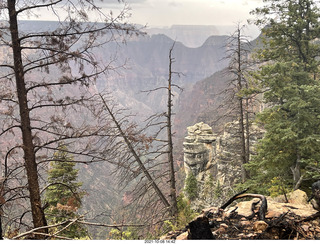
pixel 215 161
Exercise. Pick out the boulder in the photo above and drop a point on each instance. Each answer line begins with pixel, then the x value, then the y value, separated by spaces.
pixel 183 236
pixel 298 197
pixel 297 205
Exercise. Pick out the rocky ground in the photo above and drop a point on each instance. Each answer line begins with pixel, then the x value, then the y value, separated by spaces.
pixel 295 219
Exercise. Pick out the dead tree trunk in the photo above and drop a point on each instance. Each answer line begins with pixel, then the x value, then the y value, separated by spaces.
pixel 136 157
pixel 173 194
pixel 38 216
pixel 242 112
pixel 296 172
pixel 247 123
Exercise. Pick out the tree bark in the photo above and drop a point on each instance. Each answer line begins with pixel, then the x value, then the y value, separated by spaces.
pixel 296 172
pixel 136 156
pixel 247 132
pixel 173 194
pixel 38 216
pixel 241 112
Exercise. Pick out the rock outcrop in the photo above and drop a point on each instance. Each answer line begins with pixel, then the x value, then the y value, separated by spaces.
pixel 199 149
pixel 215 161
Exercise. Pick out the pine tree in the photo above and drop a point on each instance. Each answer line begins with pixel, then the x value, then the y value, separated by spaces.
pixel 289 149
pixel 63 195
pixel 191 186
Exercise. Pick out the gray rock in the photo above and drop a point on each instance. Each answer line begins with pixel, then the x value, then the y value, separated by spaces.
pixel 215 161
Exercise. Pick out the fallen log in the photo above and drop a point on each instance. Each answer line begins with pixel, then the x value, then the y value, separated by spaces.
pixel 263 208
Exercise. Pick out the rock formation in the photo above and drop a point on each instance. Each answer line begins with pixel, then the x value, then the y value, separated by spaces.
pixel 215 161
pixel 199 149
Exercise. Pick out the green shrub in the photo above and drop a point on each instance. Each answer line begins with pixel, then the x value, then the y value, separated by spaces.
pixel 191 187
pixel 185 213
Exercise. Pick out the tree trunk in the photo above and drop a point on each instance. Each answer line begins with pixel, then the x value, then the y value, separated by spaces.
pixel 173 194
pixel 136 156
pixel 38 216
pixel 241 112
pixel 243 142
pixel 247 133
pixel 296 172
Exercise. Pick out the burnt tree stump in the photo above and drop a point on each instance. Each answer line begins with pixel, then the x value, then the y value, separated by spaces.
pixel 199 229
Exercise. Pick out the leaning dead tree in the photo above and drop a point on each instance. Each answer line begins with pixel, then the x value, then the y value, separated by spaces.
pixel 137 171
pixel 45 78
pixel 135 154
pixel 145 165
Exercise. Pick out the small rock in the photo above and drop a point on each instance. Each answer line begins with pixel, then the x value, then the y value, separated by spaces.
pixel 260 226
pixel 251 235
pixel 210 210
pixel 273 213
pixel 183 236
pixel 221 230
pixel 315 222
pixel 245 222
pixel 223 225
pixel 305 227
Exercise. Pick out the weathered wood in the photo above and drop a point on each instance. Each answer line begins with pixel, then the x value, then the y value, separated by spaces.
pixel 135 154
pixel 232 199
pixel 263 208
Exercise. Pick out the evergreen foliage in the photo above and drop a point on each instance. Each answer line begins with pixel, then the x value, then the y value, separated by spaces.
pixel 185 213
pixel 128 234
pixel 208 189
pixel 218 190
pixel 289 151
pixel 184 216
pixel 191 186
pixel 63 195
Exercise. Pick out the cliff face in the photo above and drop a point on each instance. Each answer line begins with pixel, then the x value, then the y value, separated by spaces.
pixel 146 60
pixel 215 161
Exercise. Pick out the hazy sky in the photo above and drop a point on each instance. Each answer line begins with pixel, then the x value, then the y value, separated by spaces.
pixel 180 12
pixel 189 12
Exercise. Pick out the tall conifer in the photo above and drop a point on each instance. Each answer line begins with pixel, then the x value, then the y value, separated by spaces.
pixel 290 76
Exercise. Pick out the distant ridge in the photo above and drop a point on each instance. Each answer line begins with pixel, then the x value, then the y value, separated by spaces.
pixel 216 41
pixel 196 35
